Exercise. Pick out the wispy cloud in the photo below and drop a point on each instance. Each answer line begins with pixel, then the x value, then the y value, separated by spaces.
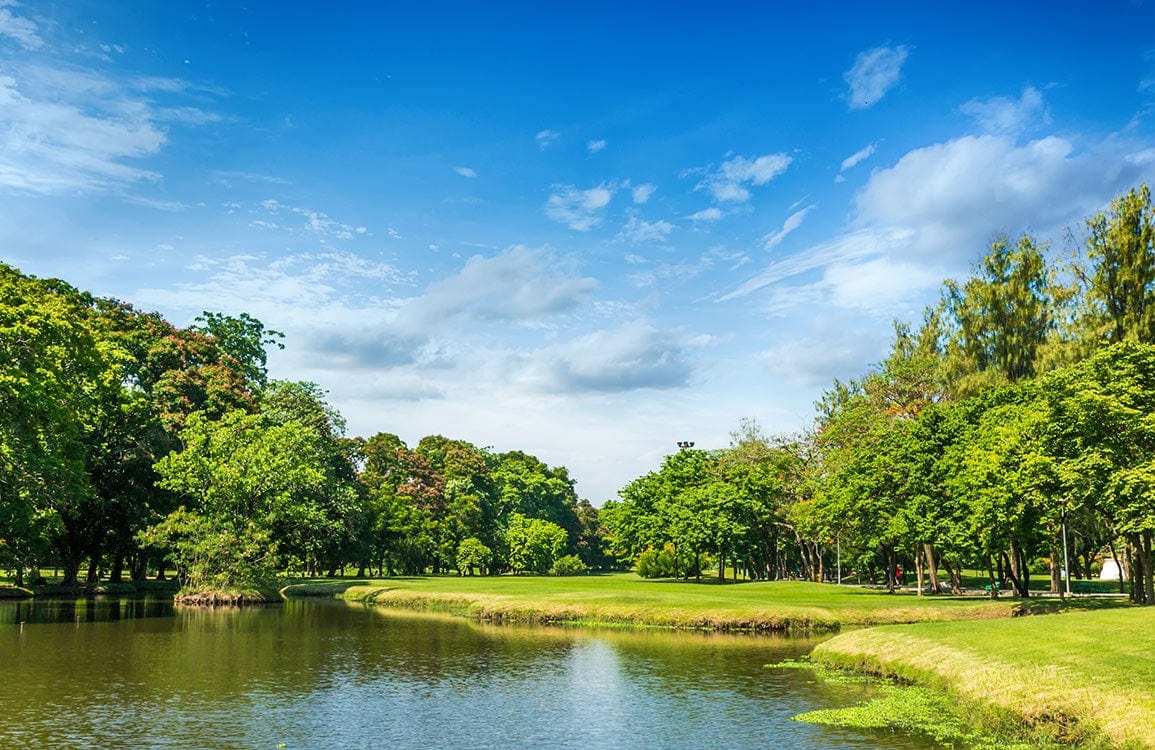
pixel 874 73
pixel 641 193
pixel 728 183
pixel 19 29
pixel 857 157
pixel 580 210
pixel 67 129
pixel 465 172
pixel 316 222
pixel 707 214
pixel 792 222
pixel 546 138
pixel 595 146
pixel 639 231
pixel 1000 115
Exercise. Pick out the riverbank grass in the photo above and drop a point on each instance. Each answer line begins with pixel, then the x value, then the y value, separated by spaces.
pixel 626 599
pixel 1082 677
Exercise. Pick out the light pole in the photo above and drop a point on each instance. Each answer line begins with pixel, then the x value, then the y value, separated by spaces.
pixel 685 444
pixel 838 555
pixel 1066 564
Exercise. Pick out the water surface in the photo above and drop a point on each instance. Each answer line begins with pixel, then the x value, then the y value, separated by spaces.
pixel 326 674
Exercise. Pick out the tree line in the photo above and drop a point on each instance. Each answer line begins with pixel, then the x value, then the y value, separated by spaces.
pixel 1012 428
pixel 129 446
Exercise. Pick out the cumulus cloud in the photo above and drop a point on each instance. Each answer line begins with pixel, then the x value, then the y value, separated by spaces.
pixel 581 210
pixel 793 221
pixel 858 157
pixel 640 231
pixel 952 197
pixel 631 357
pixel 546 138
pixel 642 193
pixel 1000 115
pixel 595 146
pixel 465 172
pixel 874 73
pixel 728 183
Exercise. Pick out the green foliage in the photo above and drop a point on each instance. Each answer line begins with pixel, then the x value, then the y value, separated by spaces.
pixel 659 563
pixel 569 565
pixel 472 553
pixel 534 544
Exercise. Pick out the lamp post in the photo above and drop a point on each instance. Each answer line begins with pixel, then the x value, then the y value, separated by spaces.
pixel 685 444
pixel 838 555
pixel 1066 564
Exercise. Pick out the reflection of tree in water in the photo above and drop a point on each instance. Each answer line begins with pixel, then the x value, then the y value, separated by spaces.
pixel 99 609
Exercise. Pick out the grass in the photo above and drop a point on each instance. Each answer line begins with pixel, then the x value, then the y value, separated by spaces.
pixel 626 599
pixel 1085 677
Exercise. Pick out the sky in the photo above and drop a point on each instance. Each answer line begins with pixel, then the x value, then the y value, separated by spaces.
pixel 585 231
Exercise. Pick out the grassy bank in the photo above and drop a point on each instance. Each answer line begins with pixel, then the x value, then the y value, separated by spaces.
pixel 1086 677
pixel 626 599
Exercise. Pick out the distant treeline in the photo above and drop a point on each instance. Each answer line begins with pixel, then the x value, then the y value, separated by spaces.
pixel 1021 407
pixel 129 445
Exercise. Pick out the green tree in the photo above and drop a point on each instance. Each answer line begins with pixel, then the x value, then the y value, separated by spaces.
pixel 534 544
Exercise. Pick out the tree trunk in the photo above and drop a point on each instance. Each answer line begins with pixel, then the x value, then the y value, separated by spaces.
pixel 932 566
pixel 1056 570
pixel 1148 573
pixel 918 569
pixel 116 573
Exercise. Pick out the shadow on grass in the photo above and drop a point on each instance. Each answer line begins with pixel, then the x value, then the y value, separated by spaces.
pixel 1073 604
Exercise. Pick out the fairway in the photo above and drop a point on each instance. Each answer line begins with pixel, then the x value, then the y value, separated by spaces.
pixel 626 599
pixel 1082 675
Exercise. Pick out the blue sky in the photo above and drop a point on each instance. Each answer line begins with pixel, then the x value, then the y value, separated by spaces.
pixel 585 232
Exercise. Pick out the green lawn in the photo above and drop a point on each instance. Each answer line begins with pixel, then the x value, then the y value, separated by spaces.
pixel 1086 676
pixel 624 598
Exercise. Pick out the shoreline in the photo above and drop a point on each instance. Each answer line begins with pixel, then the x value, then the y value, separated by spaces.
pixel 1063 679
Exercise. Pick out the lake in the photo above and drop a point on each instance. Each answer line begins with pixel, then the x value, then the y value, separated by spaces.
pixel 115 673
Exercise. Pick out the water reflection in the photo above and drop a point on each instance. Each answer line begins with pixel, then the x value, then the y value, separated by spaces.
pixel 95 609
pixel 330 675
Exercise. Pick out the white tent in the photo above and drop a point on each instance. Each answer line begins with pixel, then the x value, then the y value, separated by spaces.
pixel 1110 570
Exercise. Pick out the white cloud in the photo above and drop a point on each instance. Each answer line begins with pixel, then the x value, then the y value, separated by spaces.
pixel 520 284
pixel 642 193
pixel 952 197
pixel 631 357
pixel 707 214
pixel 580 210
pixel 858 157
pixel 1000 115
pixel 19 29
pixel 851 247
pixel 546 138
pixel 728 183
pixel 465 172
pixel 874 73
pixel 792 222
pixel 595 146
pixel 639 231
pixel 69 130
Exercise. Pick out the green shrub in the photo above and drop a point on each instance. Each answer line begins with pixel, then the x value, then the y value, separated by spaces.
pixel 570 565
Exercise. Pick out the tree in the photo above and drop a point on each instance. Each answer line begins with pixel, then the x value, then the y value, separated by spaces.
pixel 1121 287
pixel 1001 317
pixel 534 544
pixel 472 553
pixel 244 476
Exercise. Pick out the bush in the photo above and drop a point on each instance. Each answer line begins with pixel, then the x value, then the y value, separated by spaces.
pixel 658 563
pixel 570 565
